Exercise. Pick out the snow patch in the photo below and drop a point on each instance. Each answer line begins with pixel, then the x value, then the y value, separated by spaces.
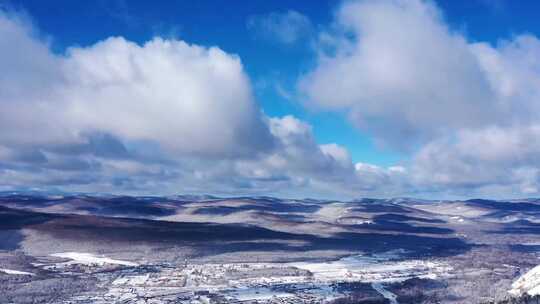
pixel 257 294
pixel 15 272
pixel 384 267
pixel 457 218
pixel 90 259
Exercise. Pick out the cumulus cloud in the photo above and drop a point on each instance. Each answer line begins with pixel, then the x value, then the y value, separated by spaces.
pixel 404 74
pixel 160 117
pixel 468 111
pixel 157 91
pixel 117 100
pixel 285 27
pixel 167 116
pixel 317 170
pixel 506 158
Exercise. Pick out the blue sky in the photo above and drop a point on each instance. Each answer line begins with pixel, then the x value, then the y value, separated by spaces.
pixel 281 46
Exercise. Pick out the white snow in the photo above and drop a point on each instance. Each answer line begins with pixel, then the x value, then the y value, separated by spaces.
pixel 137 280
pixel 528 283
pixel 459 209
pixel 331 212
pixel 385 267
pixel 457 218
pixel 261 293
pixel 15 272
pixel 363 222
pixel 90 259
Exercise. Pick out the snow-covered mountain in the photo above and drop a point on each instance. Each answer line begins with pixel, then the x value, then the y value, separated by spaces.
pixel 529 283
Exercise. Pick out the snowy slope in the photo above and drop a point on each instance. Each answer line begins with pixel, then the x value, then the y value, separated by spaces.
pixel 15 272
pixel 529 283
pixel 89 259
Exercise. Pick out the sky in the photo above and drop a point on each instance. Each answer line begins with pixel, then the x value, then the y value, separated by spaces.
pixel 321 99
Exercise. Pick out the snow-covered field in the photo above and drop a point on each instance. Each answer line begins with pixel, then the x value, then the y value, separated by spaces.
pixel 386 267
pixel 15 272
pixel 257 293
pixel 90 259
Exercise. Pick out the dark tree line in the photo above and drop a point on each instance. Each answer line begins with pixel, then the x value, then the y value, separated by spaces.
pixel 525 299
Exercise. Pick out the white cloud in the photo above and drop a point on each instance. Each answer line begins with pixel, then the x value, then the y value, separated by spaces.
pixel 161 117
pixel 403 75
pixel 189 99
pixel 336 152
pixel 474 159
pixel 317 170
pixel 468 109
pixel 286 27
pixel 168 117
